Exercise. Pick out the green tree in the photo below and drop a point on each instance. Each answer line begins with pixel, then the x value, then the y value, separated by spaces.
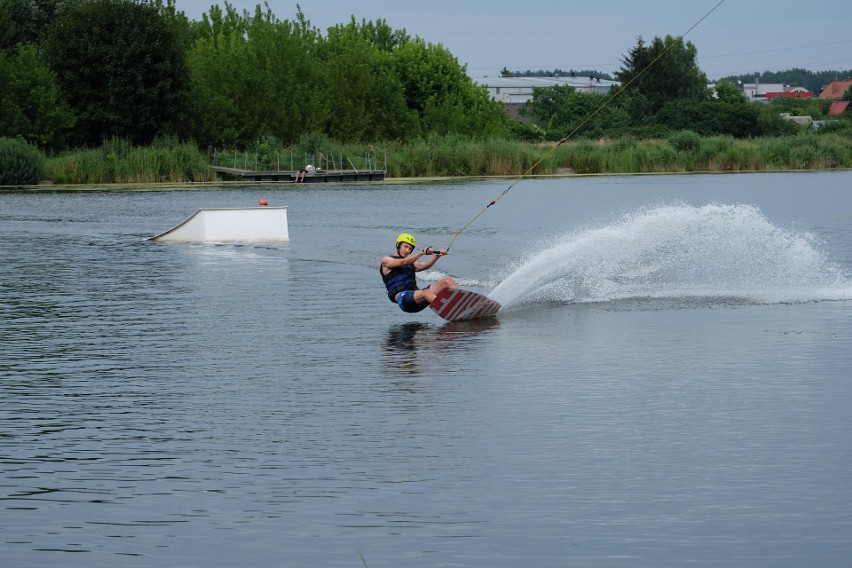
pixel 254 75
pixel 728 92
pixel 121 68
pixel 367 98
pixel 20 162
pixel 717 116
pixel 561 109
pixel 378 34
pixel 26 21
pixel 439 90
pixel 770 122
pixel 663 71
pixel 18 22
pixel 31 105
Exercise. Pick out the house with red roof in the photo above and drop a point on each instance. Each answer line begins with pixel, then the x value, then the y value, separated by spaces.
pixel 836 89
pixel 765 92
pixel 796 93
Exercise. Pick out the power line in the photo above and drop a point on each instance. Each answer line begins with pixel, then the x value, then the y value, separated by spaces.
pixel 776 50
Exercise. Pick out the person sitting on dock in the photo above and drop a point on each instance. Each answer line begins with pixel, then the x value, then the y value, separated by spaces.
pixel 398 275
pixel 309 170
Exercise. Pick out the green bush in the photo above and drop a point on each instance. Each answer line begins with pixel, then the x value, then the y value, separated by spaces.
pixel 584 157
pixel 20 162
pixel 685 141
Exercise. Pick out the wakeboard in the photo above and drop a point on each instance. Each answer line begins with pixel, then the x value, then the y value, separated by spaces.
pixel 454 304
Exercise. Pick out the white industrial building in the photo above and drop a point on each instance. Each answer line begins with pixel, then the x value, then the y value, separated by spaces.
pixel 518 90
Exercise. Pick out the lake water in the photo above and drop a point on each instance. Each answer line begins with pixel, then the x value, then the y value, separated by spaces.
pixel 667 385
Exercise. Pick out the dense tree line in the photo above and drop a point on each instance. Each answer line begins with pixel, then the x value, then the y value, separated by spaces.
pixel 506 72
pixel 76 72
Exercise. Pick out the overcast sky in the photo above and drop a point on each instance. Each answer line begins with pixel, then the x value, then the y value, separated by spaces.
pixel 739 37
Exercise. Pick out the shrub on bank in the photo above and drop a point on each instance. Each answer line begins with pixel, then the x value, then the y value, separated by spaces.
pixel 685 141
pixel 20 162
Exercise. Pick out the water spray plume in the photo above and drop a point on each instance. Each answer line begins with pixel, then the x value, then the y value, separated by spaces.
pixel 726 253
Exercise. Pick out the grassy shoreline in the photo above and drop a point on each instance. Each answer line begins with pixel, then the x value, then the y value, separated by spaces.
pixel 192 186
pixel 171 162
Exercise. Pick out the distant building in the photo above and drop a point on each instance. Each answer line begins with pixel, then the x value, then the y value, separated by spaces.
pixel 513 92
pixel 519 89
pixel 757 91
pixel 836 89
pixel 793 93
pixel 801 120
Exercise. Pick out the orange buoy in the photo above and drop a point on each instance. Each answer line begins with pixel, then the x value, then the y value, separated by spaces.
pixel 262 203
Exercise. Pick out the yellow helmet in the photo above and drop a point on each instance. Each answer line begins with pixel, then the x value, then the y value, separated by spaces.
pixel 406 238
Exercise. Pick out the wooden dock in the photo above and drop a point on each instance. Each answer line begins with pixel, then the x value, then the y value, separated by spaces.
pixel 322 176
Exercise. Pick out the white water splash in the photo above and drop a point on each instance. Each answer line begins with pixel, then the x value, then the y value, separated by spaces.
pixel 434 275
pixel 676 252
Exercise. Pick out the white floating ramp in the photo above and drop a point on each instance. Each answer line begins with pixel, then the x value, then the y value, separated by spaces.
pixel 237 225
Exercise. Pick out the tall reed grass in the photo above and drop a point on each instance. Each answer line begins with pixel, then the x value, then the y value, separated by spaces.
pixel 688 152
pixel 451 156
pixel 118 161
pixel 683 152
pixel 459 156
